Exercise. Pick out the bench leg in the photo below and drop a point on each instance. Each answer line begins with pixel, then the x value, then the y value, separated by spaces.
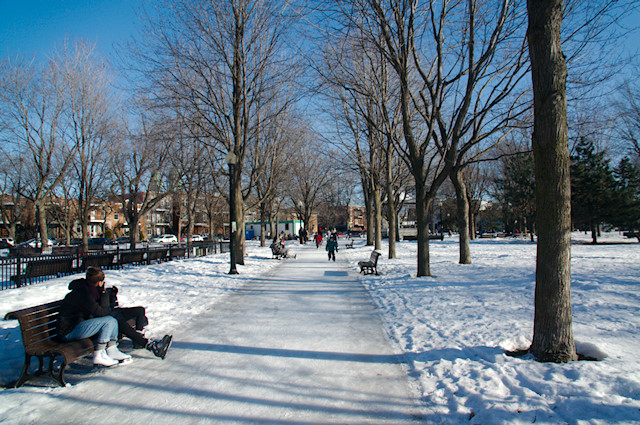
pixel 48 372
pixel 58 377
pixel 25 375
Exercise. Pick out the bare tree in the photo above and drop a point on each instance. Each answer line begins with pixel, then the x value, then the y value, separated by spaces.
pixel 89 115
pixel 309 175
pixel 272 157
pixel 355 80
pixel 552 333
pixel 32 101
pixel 221 59
pixel 139 163
pixel 12 204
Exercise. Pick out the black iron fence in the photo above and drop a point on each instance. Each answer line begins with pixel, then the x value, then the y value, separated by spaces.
pixel 22 270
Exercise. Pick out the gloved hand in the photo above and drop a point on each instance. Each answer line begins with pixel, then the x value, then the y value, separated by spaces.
pixel 114 290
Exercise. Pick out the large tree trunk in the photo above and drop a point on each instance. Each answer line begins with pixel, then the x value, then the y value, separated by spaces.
pixel 462 206
pixel 41 210
pixel 238 215
pixel 391 219
pixel 552 328
pixel 377 206
pixel 370 218
pixel 263 224
pixel 422 224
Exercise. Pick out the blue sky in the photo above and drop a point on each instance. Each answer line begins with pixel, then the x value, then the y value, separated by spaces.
pixel 35 27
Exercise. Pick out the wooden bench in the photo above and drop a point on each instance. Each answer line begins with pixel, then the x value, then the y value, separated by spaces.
pixel 100 260
pixel 48 267
pixel 40 339
pixel 132 257
pixel 177 252
pixel 349 244
pixel 370 266
pixel 278 252
pixel 158 255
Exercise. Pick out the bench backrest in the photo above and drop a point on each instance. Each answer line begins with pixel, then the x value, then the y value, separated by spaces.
pixel 374 257
pixel 49 267
pixel 38 324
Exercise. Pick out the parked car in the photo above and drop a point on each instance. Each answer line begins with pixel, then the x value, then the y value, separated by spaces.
pixel 194 238
pixel 36 243
pixel 123 239
pixel 75 241
pixel 100 241
pixel 164 239
pixel 7 241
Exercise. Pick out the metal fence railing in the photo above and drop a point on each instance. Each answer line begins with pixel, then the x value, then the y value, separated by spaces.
pixel 17 271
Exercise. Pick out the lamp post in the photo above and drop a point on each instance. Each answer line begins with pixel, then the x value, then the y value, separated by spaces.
pixel 232 160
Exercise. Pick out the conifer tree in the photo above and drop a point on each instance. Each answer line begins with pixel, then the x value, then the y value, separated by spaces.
pixel 626 213
pixel 592 187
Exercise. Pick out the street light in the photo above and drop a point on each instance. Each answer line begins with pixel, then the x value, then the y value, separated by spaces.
pixel 232 160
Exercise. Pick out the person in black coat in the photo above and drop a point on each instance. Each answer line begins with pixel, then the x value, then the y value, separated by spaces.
pixel 84 313
pixel 138 314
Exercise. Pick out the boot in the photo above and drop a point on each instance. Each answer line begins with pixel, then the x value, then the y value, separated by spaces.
pixel 160 347
pixel 100 358
pixel 115 354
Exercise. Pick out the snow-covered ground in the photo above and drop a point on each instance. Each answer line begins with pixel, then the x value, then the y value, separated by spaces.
pixel 453 327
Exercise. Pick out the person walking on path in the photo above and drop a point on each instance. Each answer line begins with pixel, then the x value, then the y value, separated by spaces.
pixel 332 247
pixel 318 239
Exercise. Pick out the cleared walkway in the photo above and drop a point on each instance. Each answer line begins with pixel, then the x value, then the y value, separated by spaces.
pixel 301 345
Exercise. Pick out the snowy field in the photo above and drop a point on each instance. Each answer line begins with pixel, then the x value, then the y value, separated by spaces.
pixel 453 327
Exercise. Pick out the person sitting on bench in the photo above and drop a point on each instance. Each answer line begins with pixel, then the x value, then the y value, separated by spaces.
pixel 123 314
pixel 84 312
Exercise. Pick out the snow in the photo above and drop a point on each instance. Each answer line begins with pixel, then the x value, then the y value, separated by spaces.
pixel 451 329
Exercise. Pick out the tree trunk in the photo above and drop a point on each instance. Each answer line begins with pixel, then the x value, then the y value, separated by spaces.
pixel 42 223
pixel 274 226
pixel 263 225
pixel 391 219
pixel 462 206
pixel 238 241
pixel 552 327
pixel 370 219
pixel 422 224
pixel 378 218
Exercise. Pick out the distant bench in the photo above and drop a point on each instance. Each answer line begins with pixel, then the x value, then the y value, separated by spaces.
pixel 370 266
pixel 40 339
pixel 349 244
pixel 99 260
pixel 48 267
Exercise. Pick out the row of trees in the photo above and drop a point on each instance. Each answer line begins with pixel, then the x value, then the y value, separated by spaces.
pixel 70 143
pixel 419 92
pixel 423 90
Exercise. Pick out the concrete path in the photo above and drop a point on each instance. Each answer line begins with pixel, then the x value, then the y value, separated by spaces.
pixel 301 345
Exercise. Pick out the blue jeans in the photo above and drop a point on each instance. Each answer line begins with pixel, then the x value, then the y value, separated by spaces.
pixel 105 327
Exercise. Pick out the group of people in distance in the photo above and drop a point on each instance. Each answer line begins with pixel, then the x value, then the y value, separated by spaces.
pixel 91 311
pixel 332 244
